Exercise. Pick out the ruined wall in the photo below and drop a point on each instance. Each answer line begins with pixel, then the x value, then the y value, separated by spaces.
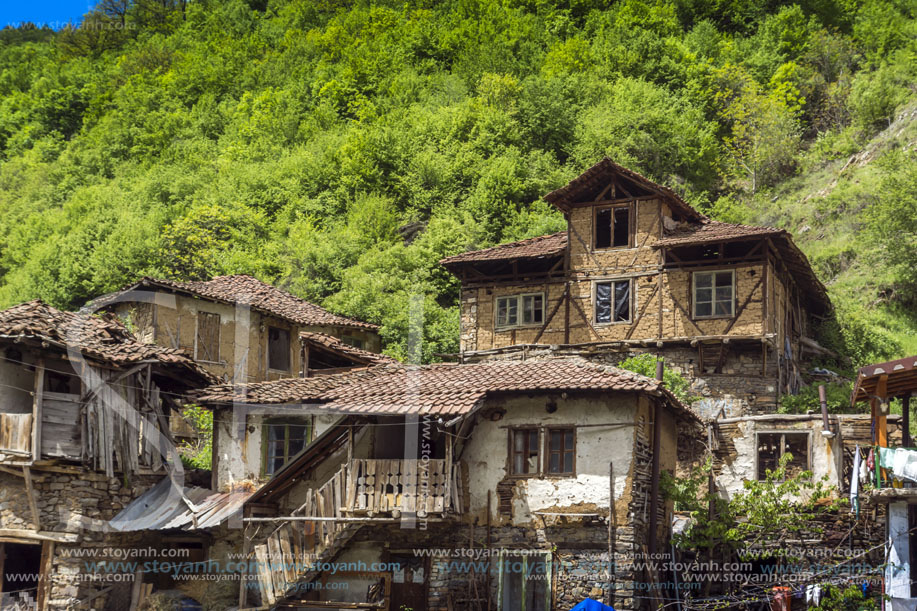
pixel 77 504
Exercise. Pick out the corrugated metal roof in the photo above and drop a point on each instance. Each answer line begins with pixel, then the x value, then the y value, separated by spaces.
pixel 163 507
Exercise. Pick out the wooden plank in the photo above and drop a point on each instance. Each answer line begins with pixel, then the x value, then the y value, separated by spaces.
pixel 44 580
pixel 36 408
pixel 30 494
pixel 30 535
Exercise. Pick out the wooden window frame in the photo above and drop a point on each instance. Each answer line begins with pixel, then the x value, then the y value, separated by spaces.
pixel 524 556
pixel 631 306
pixel 266 424
pixel 197 337
pixel 520 301
pixel 546 457
pixel 289 349
pixel 631 226
pixel 735 291
pixel 510 454
pixel 354 342
pixel 759 475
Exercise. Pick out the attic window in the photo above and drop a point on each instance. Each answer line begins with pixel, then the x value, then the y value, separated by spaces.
pixel 356 342
pixel 612 227
pixel 278 349
pixel 612 301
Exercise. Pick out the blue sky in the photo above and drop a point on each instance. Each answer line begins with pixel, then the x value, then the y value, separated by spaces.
pixel 55 13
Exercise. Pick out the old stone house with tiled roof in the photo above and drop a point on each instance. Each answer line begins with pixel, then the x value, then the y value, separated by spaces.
pixel 244 330
pixel 733 307
pixel 553 464
pixel 83 432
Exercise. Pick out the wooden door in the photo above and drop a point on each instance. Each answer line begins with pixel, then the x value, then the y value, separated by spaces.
pixel 409 583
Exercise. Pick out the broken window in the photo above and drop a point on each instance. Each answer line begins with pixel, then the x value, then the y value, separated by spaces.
pixel 772 446
pixel 356 342
pixel 281 441
pixel 612 301
pixel 524 451
pixel 612 227
pixel 278 349
pixel 207 342
pixel 561 451
pixel 714 294
pixel 517 310
pixel 524 581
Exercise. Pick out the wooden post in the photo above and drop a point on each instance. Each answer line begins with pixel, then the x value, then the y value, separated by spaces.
pixel 44 575
pixel 36 408
pixel 612 519
pixel 654 482
pixel 906 420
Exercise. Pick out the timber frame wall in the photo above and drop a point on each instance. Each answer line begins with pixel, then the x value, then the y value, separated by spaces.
pixel 762 339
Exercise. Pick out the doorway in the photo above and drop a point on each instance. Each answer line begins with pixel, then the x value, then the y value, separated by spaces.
pixel 21 565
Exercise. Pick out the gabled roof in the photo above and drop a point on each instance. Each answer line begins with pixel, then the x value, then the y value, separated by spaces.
pixel 902 379
pixel 337 346
pixel 599 174
pixel 244 289
pixel 552 245
pixel 441 389
pixel 102 339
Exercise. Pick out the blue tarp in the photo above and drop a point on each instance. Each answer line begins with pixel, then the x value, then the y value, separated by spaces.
pixel 591 605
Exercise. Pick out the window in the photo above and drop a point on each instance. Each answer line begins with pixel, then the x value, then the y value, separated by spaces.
pixel 207 342
pixel 772 446
pixel 278 349
pixel 524 581
pixel 714 294
pixel 356 342
pixel 524 451
pixel 612 301
pixel 612 227
pixel 561 451
pixel 520 310
pixel 281 441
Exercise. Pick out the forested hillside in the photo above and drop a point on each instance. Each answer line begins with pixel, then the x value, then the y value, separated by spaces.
pixel 340 149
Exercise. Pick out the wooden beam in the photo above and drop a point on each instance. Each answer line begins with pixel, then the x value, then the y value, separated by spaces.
pixel 744 305
pixel 646 304
pixel 30 535
pixel 585 318
pixel 36 408
pixel 44 579
pixel 548 320
pixel 30 494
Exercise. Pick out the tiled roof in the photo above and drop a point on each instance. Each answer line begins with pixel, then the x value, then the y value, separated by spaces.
pixel 336 345
pixel 552 245
pixel 443 389
pixel 259 295
pixel 715 231
pixel 901 379
pixel 597 177
pixel 97 338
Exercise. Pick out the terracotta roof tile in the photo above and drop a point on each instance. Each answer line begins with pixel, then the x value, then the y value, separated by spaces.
pixel 443 389
pixel 259 295
pixel 102 339
pixel 552 245
pixel 337 345
pixel 715 231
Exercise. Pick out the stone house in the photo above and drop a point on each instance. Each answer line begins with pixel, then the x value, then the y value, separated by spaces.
pixel 83 432
pixel 733 307
pixel 237 327
pixel 539 464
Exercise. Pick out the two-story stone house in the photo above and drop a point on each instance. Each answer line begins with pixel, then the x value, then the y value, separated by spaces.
pixel 734 307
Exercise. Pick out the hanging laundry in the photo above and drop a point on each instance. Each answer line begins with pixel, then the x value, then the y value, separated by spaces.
pixel 871 460
pixel 855 482
pixel 887 458
pixel 905 464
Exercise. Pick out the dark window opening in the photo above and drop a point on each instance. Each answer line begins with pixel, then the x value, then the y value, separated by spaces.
pixel 21 567
pixel 356 342
pixel 561 450
pixel 278 349
pixel 524 451
pixel 612 227
pixel 612 301
pixel 773 446
pixel 621 228
pixel 281 441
